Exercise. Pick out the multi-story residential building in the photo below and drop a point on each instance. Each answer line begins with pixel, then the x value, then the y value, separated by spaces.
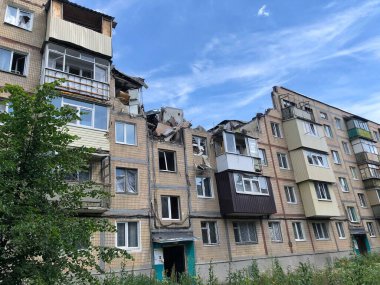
pixel 299 181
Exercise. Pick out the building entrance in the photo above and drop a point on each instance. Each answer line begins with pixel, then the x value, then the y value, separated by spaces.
pixel 174 260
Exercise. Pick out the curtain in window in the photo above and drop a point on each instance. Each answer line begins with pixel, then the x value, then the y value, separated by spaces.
pixel 132 234
pixel 132 181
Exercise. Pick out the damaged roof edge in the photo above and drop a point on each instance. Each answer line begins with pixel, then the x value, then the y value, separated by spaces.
pixel 137 80
pixel 47 6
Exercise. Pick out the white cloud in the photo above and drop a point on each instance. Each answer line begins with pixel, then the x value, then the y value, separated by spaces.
pixel 258 61
pixel 262 11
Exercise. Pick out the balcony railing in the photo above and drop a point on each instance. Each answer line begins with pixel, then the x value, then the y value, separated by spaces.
pixel 359 133
pixel 292 112
pixel 367 157
pixel 95 205
pixel 232 161
pixel 78 84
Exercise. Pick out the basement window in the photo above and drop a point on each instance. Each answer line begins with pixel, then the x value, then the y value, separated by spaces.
pixel 12 61
pixel 20 18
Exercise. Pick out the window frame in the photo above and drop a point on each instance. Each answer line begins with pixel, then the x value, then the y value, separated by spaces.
pixel 310 129
pixel 12 52
pixel 321 231
pixel 346 148
pixel 203 187
pixel 322 191
pixel 345 182
pixel 276 130
pixel 126 240
pixel 164 151
pixel 362 200
pixel 196 142
pixel 17 17
pixel 125 139
pixel 336 157
pixel 354 173
pixel 207 229
pixel 271 231
pixel 328 131
pixel 338 123
pixel 169 203
pixel 340 229
pixel 237 227
pixel 323 115
pixel 371 229
pixel 252 179
pixel 298 231
pixel 317 159
pixel 352 215
pixel 288 196
pixel 263 156
pixel 126 170
pixel 281 157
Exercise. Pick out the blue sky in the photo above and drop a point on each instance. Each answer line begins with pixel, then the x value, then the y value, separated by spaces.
pixel 219 59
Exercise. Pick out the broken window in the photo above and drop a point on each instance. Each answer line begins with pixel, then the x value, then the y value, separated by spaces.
pixel 199 145
pixel 12 61
pixel 19 18
pixel 167 160
pixel 170 207
pixel 126 180
pixel 80 176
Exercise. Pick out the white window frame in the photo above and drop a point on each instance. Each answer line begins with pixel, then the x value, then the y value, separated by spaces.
pixel 237 226
pixel 197 141
pixel 354 172
pixel 299 233
pixel 376 135
pixel 26 65
pixel 17 17
pixel 125 187
pixel 328 131
pixel 169 198
pixel 310 129
pixel 274 226
pixel 258 182
pixel 281 157
pixel 290 193
pixel 371 229
pixel 346 148
pixel 362 200
pixel 317 159
pixel 340 230
pixel 207 228
pixel 166 160
pixel 321 231
pixel 344 184
pixel 263 157
pixel 352 214
pixel 201 178
pixel 126 247
pixel 378 194
pixel 125 125
pixel 336 157
pixel 338 123
pixel 322 191
pixel 276 130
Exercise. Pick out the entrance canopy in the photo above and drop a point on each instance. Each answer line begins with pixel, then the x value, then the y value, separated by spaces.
pixel 172 236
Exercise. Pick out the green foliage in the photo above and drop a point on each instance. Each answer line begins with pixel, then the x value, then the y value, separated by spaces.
pixel 40 231
pixel 342 272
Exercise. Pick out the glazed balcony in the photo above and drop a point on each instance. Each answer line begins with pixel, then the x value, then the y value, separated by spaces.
pixel 367 157
pixel 358 128
pixel 243 194
pixel 77 84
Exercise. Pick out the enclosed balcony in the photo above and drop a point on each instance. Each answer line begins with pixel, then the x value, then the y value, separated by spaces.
pixel 318 199
pixel 358 128
pixel 236 151
pixel 78 26
pixel 365 151
pixel 304 134
pixel 244 194
pixel 371 175
pixel 374 200
pixel 83 74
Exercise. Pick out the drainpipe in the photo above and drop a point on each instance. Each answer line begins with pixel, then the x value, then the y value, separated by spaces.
pixel 187 177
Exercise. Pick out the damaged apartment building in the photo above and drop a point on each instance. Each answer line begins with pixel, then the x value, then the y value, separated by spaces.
pixel 299 181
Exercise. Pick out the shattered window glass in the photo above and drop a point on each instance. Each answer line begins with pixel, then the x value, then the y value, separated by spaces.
pixel 166 160
pixel 199 145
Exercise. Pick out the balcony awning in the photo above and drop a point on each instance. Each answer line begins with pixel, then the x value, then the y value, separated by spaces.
pixel 173 236
pixel 357 231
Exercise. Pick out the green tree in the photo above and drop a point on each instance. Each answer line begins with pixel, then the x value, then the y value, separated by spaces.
pixel 40 230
